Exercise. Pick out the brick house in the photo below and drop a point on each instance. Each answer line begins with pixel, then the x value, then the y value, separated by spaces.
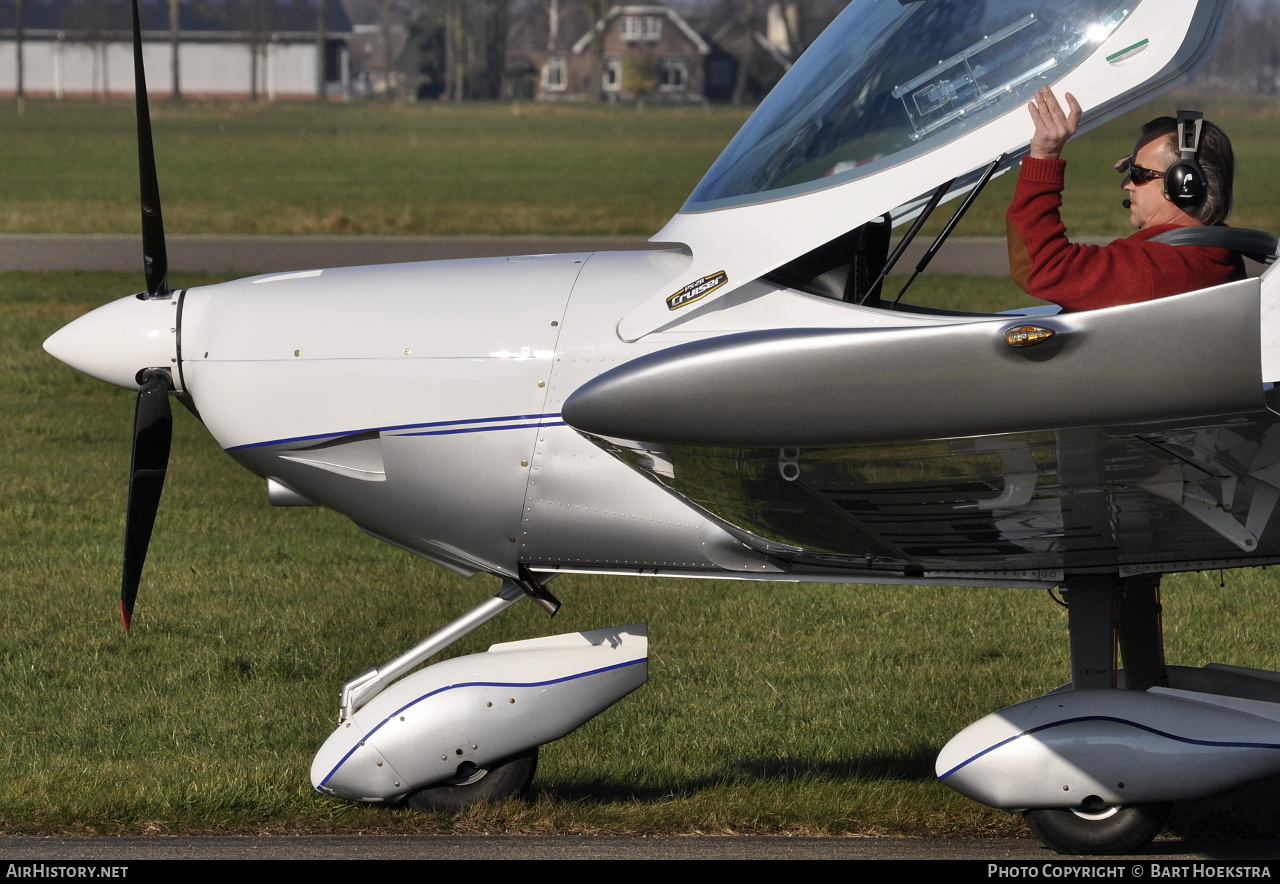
pixel 650 52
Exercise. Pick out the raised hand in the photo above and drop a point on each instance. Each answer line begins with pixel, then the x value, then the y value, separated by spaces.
pixel 1054 127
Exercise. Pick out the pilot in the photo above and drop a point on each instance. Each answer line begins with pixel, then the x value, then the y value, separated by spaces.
pixel 1046 264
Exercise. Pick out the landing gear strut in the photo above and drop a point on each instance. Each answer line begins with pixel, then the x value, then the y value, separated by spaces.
pixel 468 729
pixel 1106 617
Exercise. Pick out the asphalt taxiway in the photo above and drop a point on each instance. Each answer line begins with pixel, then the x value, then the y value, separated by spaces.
pixel 242 255
pixel 602 847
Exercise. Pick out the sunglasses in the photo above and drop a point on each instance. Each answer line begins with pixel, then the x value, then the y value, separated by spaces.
pixel 1140 174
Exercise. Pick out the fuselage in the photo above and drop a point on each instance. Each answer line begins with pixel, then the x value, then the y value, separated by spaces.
pixel 423 401
pixel 426 402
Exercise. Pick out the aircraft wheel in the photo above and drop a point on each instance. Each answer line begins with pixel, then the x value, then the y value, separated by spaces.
pixel 502 779
pixel 1107 831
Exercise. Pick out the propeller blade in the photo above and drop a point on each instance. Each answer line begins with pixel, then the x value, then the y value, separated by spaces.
pixel 152 433
pixel 155 257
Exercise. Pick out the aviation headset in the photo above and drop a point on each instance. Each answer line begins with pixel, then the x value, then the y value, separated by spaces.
pixel 1184 182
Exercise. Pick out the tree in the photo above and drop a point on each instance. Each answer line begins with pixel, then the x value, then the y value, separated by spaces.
pixel 322 50
pixel 18 24
pixel 497 24
pixel 552 9
pixel 457 50
pixel 1247 59
pixel 788 16
pixel 640 75
pixel 253 19
pixel 96 19
pixel 474 46
pixel 749 18
pixel 176 91
pixel 597 10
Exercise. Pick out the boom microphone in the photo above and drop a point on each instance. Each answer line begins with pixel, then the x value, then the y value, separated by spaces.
pixel 1126 204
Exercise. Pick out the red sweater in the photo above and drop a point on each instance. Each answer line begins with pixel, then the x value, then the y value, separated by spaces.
pixel 1049 266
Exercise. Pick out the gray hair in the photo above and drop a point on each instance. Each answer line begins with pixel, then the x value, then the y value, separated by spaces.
pixel 1215 157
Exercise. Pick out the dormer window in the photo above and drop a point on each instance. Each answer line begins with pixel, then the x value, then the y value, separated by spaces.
pixel 641 28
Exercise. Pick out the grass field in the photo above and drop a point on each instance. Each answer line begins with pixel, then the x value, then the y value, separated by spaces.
pixel 441 169
pixel 803 709
pixel 437 169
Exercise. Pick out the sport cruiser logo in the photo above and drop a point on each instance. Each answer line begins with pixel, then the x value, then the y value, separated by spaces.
pixel 697 290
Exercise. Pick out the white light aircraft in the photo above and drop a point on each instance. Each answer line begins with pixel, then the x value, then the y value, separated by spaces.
pixel 751 402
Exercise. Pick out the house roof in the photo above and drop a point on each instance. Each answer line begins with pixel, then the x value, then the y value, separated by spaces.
pixel 209 18
pixel 647 9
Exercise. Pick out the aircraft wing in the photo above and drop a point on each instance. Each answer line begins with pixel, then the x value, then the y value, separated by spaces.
pixel 941 453
pixel 1156 498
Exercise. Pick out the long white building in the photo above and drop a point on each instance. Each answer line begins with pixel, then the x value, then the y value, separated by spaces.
pixel 67 49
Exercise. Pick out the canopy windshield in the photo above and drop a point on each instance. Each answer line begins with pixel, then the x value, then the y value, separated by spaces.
pixel 892 79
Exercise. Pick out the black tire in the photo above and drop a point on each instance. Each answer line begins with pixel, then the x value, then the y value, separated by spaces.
pixel 508 778
pixel 1113 831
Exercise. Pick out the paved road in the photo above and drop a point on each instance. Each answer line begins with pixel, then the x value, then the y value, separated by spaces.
pixel 244 255
pixel 232 256
pixel 472 847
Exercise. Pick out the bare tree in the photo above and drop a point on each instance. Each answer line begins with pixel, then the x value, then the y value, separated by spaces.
pixel 392 14
pixel 176 91
pixel 457 49
pixel 95 19
pixel 749 21
pixel 764 36
pixel 552 10
pixel 475 47
pixel 252 18
pixel 790 15
pixel 597 9
pixel 257 17
pixel 497 25
pixel 18 29
pixel 1247 59
pixel 322 46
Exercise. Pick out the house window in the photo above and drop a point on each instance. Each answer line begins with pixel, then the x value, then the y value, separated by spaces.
pixel 555 74
pixel 641 28
pixel 612 78
pixel 673 73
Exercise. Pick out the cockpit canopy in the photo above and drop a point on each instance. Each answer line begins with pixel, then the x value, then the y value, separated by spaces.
pixel 898 106
pixel 893 79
